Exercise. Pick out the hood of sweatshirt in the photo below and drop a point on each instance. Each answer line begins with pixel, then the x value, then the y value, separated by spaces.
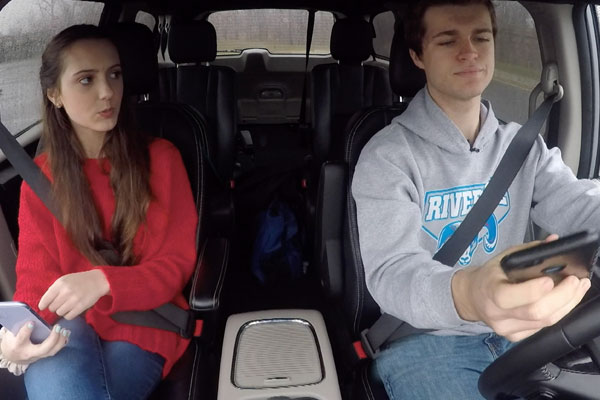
pixel 434 126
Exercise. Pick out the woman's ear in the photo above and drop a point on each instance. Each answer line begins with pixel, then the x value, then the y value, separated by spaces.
pixel 54 97
pixel 416 59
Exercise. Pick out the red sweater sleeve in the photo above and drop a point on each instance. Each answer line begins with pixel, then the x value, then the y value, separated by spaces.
pixel 167 241
pixel 38 265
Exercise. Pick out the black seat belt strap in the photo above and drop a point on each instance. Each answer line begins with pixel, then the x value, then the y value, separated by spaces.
pixel 309 35
pixel 27 168
pixel 168 316
pixel 388 327
pixel 509 166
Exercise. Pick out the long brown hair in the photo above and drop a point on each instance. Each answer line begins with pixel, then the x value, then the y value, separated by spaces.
pixel 125 148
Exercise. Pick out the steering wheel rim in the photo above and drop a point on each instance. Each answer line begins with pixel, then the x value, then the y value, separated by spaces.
pixel 509 373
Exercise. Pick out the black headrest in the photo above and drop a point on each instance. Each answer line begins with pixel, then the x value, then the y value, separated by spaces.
pixel 351 40
pixel 406 78
pixel 192 41
pixel 138 53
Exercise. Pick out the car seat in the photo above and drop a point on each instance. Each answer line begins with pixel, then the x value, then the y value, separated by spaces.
pixel 343 88
pixel 207 88
pixel 337 249
pixel 190 377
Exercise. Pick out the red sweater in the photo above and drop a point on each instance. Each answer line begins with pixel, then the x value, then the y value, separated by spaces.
pixel 165 245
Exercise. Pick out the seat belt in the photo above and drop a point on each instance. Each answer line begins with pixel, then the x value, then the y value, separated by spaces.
pixel 388 327
pixel 309 35
pixel 168 316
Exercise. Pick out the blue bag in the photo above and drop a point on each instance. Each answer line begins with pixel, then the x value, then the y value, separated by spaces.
pixel 276 255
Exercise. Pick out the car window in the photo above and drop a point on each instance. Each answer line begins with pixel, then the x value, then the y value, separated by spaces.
pixel 25 28
pixel 517 72
pixel 278 31
pixel 145 18
pixel 384 33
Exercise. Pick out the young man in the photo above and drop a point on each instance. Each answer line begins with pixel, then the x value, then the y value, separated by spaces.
pixel 415 182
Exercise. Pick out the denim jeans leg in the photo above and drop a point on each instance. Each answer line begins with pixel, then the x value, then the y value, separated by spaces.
pixel 75 372
pixel 436 367
pixel 132 373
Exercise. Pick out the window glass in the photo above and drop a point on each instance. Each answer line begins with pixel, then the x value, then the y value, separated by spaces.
pixel 518 62
pixel 278 31
pixel 25 28
pixel 145 18
pixel 384 33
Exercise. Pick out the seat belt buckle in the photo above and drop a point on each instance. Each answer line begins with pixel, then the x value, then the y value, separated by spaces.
pixel 366 346
pixel 193 327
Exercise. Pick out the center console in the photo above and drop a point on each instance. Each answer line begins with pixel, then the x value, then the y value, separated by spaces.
pixel 277 355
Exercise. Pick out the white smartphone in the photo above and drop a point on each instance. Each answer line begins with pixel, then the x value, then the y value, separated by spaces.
pixel 14 315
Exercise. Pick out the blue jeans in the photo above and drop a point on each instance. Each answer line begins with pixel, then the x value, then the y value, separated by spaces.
pixel 436 367
pixel 91 368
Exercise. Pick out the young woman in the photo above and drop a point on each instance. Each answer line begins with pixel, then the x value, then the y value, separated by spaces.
pixel 110 184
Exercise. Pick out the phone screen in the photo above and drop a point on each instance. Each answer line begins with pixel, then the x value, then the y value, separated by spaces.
pixel 14 315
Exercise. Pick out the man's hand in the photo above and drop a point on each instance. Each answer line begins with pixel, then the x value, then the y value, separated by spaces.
pixel 514 310
pixel 72 294
pixel 20 350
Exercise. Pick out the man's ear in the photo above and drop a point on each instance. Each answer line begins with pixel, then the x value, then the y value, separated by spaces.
pixel 54 96
pixel 416 59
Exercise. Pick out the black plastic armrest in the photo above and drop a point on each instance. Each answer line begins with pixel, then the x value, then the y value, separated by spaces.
pixel 209 276
pixel 331 197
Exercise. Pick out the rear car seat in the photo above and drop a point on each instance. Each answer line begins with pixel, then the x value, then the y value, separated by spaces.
pixel 207 88
pixel 343 88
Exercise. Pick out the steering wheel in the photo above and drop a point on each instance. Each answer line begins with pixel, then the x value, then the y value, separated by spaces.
pixel 559 362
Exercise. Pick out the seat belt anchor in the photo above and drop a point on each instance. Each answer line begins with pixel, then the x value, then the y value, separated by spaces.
pixel 558 91
pixel 549 82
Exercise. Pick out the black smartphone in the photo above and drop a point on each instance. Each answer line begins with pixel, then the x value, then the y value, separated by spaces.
pixel 14 314
pixel 570 255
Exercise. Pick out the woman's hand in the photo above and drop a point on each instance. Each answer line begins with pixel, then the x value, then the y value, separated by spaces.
pixel 19 349
pixel 72 294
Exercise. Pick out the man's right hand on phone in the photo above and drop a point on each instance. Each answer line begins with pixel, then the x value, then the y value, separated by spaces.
pixel 20 350
pixel 514 310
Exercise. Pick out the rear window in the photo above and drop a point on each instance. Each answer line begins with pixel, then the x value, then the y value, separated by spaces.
pixel 278 31
pixel 145 18
pixel 384 33
pixel 26 26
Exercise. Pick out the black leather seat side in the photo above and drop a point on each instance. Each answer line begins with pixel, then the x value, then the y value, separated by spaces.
pixel 207 88
pixel 337 246
pixel 406 80
pixel 341 89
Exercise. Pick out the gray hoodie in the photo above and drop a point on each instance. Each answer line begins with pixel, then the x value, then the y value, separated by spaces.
pixel 414 183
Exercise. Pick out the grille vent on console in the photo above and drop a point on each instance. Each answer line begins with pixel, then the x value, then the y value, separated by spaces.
pixel 276 352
